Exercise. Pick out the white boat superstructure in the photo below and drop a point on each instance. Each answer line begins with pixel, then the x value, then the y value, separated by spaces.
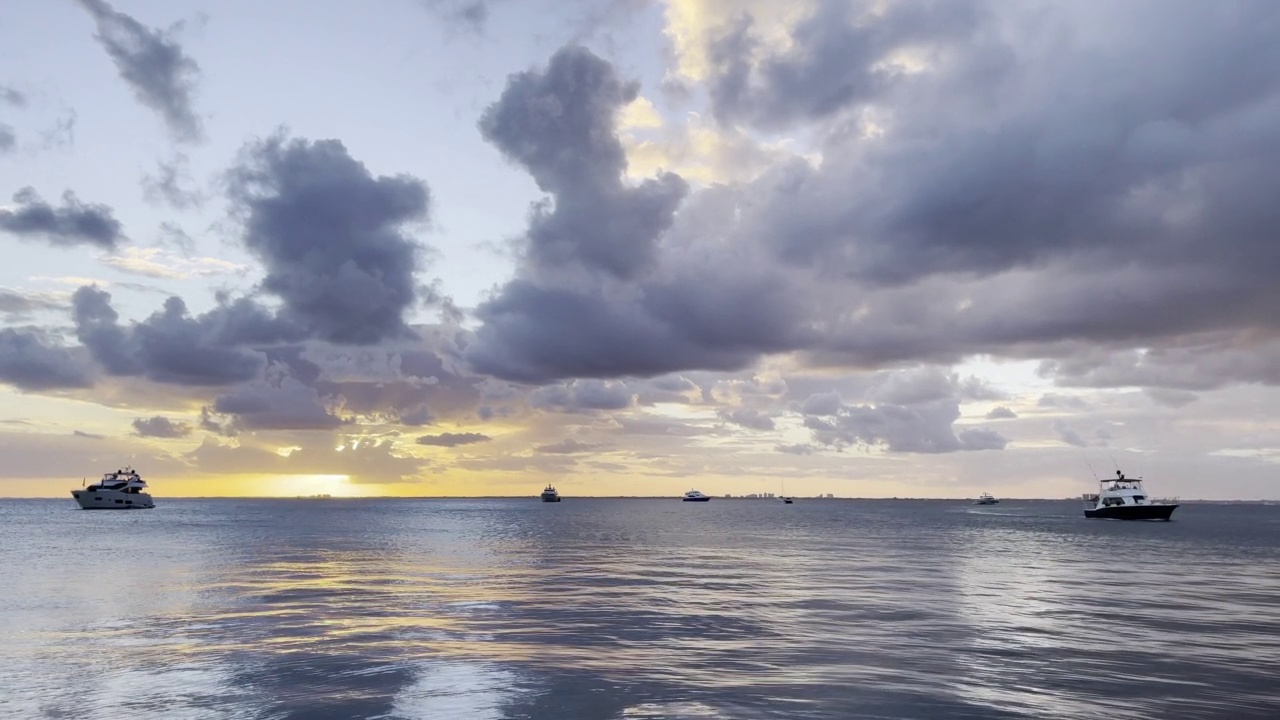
pixel 1125 499
pixel 123 489
pixel 696 496
pixel 986 499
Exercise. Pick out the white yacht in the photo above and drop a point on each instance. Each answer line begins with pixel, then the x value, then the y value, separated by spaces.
pixel 986 499
pixel 695 496
pixel 120 490
pixel 549 494
pixel 1125 499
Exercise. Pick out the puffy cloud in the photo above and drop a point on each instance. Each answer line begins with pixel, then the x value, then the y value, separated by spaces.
pixel 30 360
pixel 453 439
pixel 923 428
pixel 75 223
pixel 172 347
pixel 560 124
pixel 160 426
pixel 167 185
pixel 964 197
pixel 279 402
pixel 1001 413
pixel 331 237
pixel 161 75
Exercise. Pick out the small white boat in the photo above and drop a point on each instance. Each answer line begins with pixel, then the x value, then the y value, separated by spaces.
pixel 695 496
pixel 1125 499
pixel 549 494
pixel 120 490
pixel 986 499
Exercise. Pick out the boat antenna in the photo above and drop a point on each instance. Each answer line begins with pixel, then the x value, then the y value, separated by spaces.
pixel 1113 459
pixel 1086 462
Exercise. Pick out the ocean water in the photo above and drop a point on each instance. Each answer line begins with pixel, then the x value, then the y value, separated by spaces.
pixel 600 608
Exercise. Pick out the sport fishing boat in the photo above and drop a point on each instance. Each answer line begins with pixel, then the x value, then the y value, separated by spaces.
pixel 695 496
pixel 1125 499
pixel 986 499
pixel 120 490
pixel 549 494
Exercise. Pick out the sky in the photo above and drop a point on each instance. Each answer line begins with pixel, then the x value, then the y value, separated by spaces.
pixel 895 248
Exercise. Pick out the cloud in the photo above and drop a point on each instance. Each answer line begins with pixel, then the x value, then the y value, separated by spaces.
pixel 1065 402
pixel 15 304
pixel 279 402
pixel 161 427
pixel 1067 434
pixel 30 361
pixel 1170 398
pixel 922 428
pixel 747 418
pixel 13 98
pixel 1001 413
pixel 958 195
pixel 74 223
pixel 453 439
pixel 331 237
pixel 469 14
pixel 828 403
pixel 166 186
pixel 171 346
pixel 568 446
pixel 560 125
pixel 160 263
pixel 583 395
pixel 162 76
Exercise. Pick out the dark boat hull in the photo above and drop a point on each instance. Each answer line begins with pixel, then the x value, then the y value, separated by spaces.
pixel 705 499
pixel 549 498
pixel 1132 512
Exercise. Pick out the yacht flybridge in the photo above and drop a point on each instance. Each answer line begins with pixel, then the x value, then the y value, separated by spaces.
pixel 120 490
pixel 549 494
pixel 1125 499
pixel 695 496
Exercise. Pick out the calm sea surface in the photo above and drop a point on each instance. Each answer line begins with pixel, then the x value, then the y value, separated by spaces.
pixel 636 609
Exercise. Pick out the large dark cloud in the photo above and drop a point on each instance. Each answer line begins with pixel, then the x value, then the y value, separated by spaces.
pixel 559 123
pixel 922 428
pixel 161 75
pixel 75 223
pixel 173 347
pixel 278 402
pixel 31 360
pixel 331 237
pixel 842 54
pixel 1007 180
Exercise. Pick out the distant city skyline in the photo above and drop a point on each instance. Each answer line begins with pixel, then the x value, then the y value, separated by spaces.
pixel 893 248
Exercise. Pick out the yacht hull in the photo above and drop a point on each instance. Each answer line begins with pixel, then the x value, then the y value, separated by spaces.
pixel 1132 512
pixel 550 498
pixel 987 502
pixel 701 499
pixel 112 500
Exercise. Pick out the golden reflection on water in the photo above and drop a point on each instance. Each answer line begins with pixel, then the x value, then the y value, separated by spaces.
pixel 625 609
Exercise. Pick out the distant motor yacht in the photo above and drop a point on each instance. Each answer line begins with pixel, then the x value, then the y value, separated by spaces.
pixel 549 494
pixel 1125 499
pixel 695 496
pixel 120 490
pixel 986 499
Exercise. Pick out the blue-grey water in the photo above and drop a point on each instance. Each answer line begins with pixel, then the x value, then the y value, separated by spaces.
pixel 596 608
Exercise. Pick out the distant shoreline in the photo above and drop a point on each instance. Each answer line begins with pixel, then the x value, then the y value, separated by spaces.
pixel 641 497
